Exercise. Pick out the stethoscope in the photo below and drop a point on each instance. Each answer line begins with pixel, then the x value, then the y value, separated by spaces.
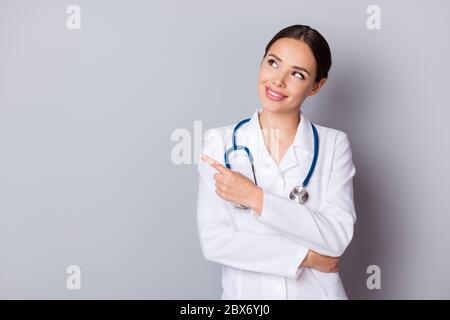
pixel 298 193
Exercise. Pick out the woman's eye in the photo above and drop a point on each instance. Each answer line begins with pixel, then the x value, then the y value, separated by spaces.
pixel 301 76
pixel 271 61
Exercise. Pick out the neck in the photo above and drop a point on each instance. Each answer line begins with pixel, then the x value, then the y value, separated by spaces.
pixel 286 122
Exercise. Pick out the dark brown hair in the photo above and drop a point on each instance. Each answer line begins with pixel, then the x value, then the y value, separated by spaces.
pixel 314 40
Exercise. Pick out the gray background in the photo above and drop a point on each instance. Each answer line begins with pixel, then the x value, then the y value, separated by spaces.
pixel 86 117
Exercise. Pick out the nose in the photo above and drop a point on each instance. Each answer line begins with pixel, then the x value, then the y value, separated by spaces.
pixel 278 82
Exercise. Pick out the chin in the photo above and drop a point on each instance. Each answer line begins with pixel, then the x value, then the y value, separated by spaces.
pixel 273 106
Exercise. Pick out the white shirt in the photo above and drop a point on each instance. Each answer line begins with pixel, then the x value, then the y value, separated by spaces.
pixel 261 254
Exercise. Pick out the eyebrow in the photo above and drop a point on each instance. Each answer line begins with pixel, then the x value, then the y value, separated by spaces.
pixel 295 67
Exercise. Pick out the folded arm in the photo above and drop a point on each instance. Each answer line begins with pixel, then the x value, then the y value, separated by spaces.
pixel 328 230
pixel 223 243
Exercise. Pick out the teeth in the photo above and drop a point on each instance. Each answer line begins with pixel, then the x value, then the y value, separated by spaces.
pixel 274 94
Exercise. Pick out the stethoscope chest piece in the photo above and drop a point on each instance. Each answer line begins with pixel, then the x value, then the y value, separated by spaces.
pixel 299 194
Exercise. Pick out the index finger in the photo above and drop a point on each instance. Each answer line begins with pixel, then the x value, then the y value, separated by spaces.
pixel 213 163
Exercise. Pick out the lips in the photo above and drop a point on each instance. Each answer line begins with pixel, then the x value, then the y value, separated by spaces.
pixel 274 95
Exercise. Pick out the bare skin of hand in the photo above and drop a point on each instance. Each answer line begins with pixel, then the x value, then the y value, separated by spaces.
pixel 320 262
pixel 235 187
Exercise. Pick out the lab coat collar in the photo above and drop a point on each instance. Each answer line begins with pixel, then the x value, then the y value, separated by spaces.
pixel 302 145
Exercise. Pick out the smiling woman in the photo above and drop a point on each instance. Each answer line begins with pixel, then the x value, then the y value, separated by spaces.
pixel 295 65
pixel 275 236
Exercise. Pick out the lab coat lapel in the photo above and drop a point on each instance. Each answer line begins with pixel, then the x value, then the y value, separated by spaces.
pixel 301 149
pixel 265 167
pixel 299 153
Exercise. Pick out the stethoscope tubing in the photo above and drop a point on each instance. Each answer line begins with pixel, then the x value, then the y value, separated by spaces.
pixel 235 147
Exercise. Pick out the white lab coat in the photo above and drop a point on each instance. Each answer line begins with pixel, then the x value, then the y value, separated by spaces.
pixel 260 255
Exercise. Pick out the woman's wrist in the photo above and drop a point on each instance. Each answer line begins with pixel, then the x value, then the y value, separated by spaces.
pixel 258 200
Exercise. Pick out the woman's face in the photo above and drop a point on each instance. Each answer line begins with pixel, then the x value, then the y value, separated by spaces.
pixel 287 76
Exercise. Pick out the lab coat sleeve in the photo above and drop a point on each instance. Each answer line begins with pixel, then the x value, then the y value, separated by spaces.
pixel 328 230
pixel 222 242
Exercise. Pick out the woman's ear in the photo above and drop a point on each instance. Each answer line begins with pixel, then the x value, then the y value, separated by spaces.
pixel 317 87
